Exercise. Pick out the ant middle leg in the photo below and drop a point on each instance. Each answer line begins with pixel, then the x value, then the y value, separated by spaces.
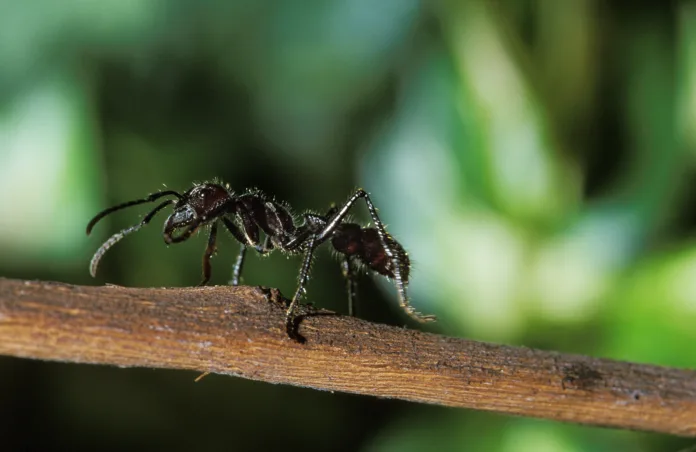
pixel 238 264
pixel 301 288
pixel 245 242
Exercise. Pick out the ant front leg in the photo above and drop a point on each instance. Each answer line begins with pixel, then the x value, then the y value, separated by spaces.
pixel 209 251
pixel 386 239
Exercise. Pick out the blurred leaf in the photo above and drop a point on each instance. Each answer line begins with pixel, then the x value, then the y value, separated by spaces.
pixel 528 178
pixel 47 164
pixel 650 316
pixel 686 89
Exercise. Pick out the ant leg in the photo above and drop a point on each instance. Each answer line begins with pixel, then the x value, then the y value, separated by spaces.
pixel 114 239
pixel 239 264
pixel 385 238
pixel 209 251
pixel 234 230
pixel 312 224
pixel 149 198
pixel 267 246
pixel 237 269
pixel 304 276
pixel 351 283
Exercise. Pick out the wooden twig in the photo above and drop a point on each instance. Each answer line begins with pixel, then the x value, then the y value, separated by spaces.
pixel 240 331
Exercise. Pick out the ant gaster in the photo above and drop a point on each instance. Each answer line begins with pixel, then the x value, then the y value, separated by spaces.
pixel 246 215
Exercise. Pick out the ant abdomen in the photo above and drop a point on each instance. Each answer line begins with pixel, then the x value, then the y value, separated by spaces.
pixel 347 239
pixel 364 245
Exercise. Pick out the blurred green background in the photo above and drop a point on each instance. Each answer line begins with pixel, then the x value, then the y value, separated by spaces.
pixel 536 158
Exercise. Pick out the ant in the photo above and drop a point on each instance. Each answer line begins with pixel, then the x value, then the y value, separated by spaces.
pixel 246 215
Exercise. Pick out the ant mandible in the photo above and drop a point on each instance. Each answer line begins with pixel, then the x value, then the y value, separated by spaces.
pixel 246 215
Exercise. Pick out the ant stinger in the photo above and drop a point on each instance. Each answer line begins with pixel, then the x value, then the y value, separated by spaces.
pixel 246 215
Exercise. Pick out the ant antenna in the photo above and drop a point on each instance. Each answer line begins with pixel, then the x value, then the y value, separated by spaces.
pixel 150 198
pixel 114 239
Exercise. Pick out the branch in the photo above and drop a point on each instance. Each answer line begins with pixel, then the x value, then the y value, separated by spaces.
pixel 240 331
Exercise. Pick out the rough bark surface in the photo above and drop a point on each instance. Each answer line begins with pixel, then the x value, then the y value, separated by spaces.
pixel 240 331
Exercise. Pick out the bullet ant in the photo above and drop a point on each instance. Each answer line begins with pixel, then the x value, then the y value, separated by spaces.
pixel 248 214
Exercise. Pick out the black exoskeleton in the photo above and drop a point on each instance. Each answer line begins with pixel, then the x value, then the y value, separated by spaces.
pixel 246 215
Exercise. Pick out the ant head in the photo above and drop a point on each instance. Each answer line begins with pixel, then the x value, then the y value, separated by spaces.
pixel 199 205
pixel 207 199
pixel 184 219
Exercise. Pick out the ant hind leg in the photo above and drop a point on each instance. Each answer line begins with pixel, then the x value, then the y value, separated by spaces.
pixel 348 270
pixel 386 239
